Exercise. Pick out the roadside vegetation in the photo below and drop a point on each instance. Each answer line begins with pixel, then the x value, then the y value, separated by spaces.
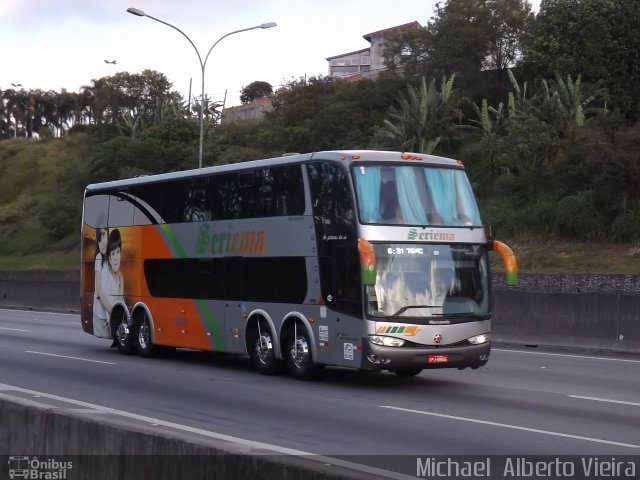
pixel 543 117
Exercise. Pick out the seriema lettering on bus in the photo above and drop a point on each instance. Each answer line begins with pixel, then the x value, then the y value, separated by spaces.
pixel 231 243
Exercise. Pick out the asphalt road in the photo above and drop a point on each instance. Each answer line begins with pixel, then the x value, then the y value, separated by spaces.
pixel 524 402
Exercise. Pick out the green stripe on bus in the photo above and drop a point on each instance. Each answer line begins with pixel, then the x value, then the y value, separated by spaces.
pixel 201 305
pixel 207 316
pixel 173 239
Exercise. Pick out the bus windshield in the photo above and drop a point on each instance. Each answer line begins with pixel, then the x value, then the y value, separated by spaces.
pixel 414 195
pixel 427 281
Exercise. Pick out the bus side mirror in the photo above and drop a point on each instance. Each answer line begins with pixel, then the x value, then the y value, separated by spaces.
pixel 508 260
pixel 367 262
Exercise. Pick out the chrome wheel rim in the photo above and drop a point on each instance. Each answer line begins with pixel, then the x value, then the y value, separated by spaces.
pixel 122 333
pixel 143 335
pixel 264 349
pixel 300 352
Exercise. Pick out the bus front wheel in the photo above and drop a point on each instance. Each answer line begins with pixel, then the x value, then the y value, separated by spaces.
pixel 299 357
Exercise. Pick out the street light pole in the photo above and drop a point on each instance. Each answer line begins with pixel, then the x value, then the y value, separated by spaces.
pixel 110 63
pixel 140 13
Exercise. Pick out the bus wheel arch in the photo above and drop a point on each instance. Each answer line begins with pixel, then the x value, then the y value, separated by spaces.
pixel 262 343
pixel 121 329
pixel 299 349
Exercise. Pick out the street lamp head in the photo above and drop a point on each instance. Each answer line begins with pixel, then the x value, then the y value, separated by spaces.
pixel 269 25
pixel 137 12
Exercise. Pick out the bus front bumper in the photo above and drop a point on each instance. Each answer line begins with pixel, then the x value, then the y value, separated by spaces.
pixel 408 358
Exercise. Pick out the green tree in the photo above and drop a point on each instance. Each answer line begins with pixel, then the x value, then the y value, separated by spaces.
pixel 464 37
pixel 255 90
pixel 127 92
pixel 295 106
pixel 510 23
pixel 596 38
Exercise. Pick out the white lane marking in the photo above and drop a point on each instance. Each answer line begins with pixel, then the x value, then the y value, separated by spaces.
pixel 39 312
pixel 607 400
pixel 219 436
pixel 513 427
pixel 72 358
pixel 14 329
pixel 565 355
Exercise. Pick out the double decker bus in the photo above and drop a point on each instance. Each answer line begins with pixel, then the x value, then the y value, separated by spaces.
pixel 366 259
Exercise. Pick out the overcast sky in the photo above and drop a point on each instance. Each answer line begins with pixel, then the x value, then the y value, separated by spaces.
pixel 51 45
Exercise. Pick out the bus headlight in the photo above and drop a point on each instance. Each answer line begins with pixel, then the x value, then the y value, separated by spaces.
pixel 479 339
pixel 386 341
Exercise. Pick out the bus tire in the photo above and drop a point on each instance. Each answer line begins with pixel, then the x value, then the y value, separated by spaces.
pixel 143 342
pixel 407 372
pixel 299 357
pixel 123 333
pixel 262 351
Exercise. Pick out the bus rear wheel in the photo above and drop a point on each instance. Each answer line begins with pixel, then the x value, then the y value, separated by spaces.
pixel 299 357
pixel 122 333
pixel 144 344
pixel 262 351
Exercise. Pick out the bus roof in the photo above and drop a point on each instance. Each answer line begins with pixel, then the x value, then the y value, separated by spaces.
pixel 347 156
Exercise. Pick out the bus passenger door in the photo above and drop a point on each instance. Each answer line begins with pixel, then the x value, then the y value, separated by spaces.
pixel 340 324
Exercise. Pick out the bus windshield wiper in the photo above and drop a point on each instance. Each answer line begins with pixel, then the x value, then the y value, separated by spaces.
pixel 461 314
pixel 404 309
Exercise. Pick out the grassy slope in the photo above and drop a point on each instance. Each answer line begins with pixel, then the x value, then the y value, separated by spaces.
pixel 32 173
pixel 543 255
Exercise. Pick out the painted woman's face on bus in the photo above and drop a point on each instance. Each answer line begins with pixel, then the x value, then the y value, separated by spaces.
pixel 102 243
pixel 114 259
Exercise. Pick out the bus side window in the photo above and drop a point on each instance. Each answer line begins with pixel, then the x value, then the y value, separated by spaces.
pixel 289 191
pixel 332 201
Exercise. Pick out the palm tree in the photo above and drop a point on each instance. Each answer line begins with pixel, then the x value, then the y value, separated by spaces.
pixel 4 115
pixel 129 123
pixel 567 103
pixel 64 105
pixel 423 117
pixel 519 105
pixel 487 131
pixel 84 111
pixel 18 107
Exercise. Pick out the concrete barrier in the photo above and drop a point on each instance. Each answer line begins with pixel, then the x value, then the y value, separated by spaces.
pixel 37 289
pixel 105 447
pixel 596 321
pixel 580 311
pixel 590 311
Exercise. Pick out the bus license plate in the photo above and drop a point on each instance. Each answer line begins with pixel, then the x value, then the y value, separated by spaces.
pixel 437 358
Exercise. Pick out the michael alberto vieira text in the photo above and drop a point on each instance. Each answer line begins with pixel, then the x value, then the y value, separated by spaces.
pixel 522 467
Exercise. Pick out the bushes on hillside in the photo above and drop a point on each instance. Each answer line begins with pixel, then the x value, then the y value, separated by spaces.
pixel 577 217
pixel 60 217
